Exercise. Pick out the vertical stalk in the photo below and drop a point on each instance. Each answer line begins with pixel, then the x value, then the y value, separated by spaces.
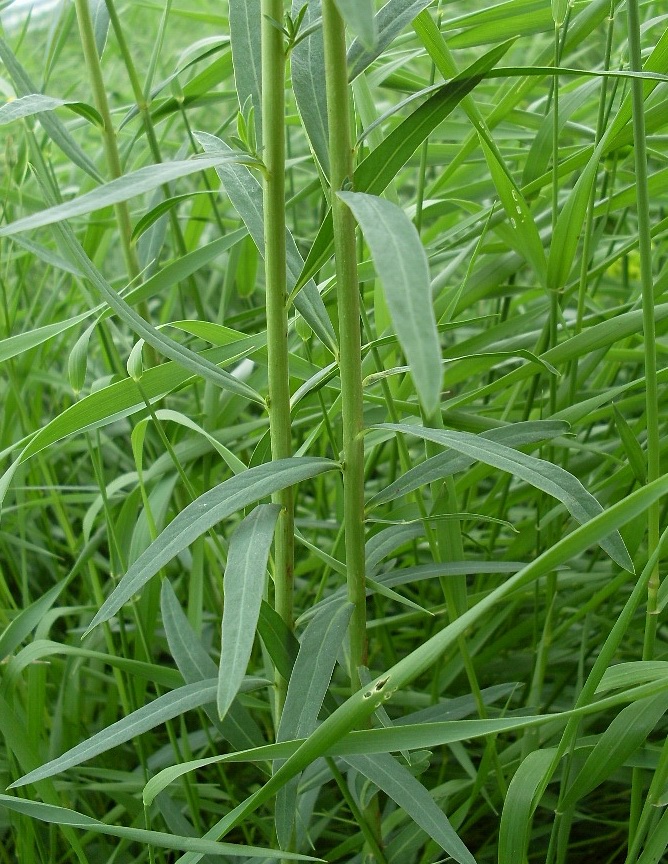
pixel 109 136
pixel 348 300
pixel 273 122
pixel 651 384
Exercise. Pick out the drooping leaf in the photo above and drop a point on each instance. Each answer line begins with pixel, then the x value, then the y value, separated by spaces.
pixel 243 588
pixel 448 463
pixel 401 264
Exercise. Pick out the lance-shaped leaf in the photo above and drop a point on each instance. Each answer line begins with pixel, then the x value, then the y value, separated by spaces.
pixel 389 22
pixel 36 103
pixel 55 815
pixel 307 69
pixel 205 512
pixel 243 587
pixel 122 189
pixel 401 264
pixel 308 685
pixel 398 782
pixel 549 478
pixel 448 463
pixel 149 716
pixel 245 17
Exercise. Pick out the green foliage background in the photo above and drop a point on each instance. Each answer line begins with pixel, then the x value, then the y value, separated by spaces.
pixel 511 262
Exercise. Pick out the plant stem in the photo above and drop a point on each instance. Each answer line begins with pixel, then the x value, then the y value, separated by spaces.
pixel 109 136
pixel 649 334
pixel 273 122
pixel 348 301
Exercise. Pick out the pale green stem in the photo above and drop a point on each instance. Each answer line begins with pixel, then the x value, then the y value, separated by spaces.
pixel 350 358
pixel 273 123
pixel 109 136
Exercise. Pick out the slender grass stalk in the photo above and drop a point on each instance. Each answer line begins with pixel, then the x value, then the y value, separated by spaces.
pixel 273 123
pixel 649 333
pixel 350 358
pixel 108 135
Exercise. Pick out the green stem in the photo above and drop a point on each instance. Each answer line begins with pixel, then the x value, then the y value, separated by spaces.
pixel 273 122
pixel 109 136
pixel 651 384
pixel 350 357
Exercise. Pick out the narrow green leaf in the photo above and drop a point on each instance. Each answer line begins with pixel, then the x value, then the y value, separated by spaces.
pixel 15 345
pixel 27 619
pixel 389 22
pixel 627 732
pixel 49 122
pixel 65 817
pixel 37 103
pixel 518 807
pixel 205 512
pixel 147 717
pixel 449 463
pixel 398 782
pixel 122 189
pixel 195 665
pixel 278 639
pixel 547 477
pixel 631 446
pixel 401 264
pixel 309 681
pixel 243 587
pixel 307 69
pixel 245 17
pixel 359 15
pixel 100 18
pixel 523 227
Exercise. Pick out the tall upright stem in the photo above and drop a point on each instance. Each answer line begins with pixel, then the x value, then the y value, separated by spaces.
pixel 113 158
pixel 273 122
pixel 350 357
pixel 651 384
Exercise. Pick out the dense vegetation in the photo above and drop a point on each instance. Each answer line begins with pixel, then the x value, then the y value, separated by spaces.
pixel 356 360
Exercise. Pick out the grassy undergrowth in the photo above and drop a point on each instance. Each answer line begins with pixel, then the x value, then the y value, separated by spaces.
pixel 333 343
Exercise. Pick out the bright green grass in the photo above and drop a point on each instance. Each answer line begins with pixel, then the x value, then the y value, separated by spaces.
pixel 506 508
